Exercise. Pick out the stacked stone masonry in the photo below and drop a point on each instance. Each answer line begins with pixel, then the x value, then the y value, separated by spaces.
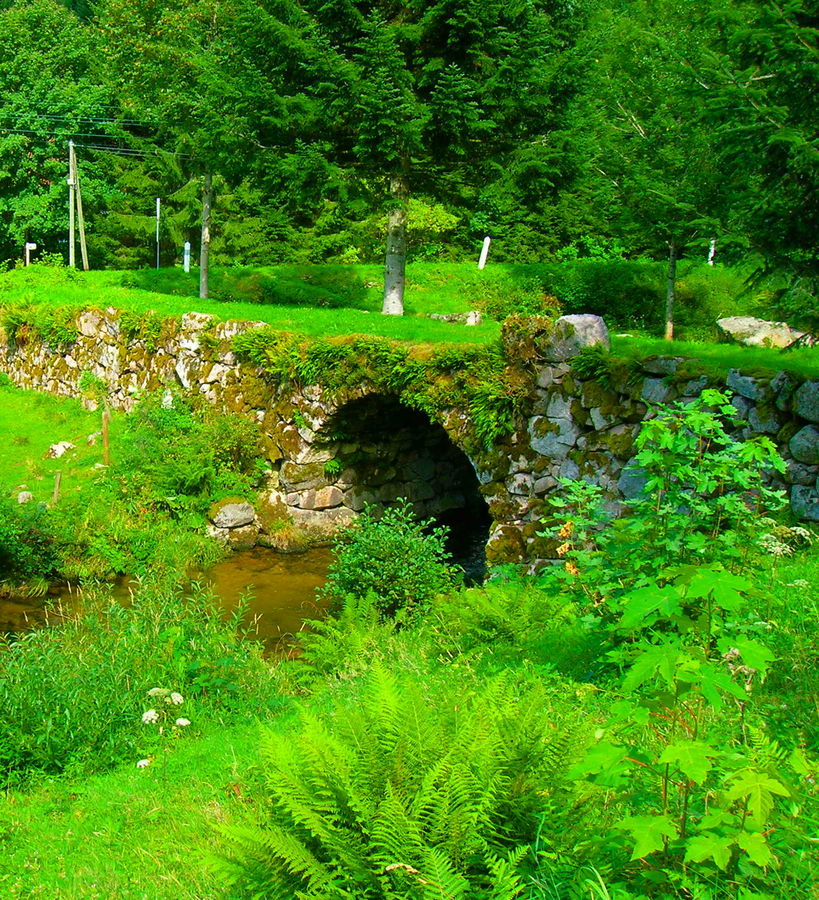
pixel 331 456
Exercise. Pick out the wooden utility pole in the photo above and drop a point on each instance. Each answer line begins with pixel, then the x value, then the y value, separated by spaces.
pixel 72 257
pixel 204 247
pixel 80 217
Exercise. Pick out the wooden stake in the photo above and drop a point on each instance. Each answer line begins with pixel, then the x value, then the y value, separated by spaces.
pixel 106 449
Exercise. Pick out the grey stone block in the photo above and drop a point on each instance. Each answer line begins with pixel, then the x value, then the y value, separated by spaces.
pixel 804 445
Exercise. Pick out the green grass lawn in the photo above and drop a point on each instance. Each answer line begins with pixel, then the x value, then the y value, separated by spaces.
pixel 30 423
pixel 716 359
pixel 299 304
pixel 336 300
pixel 132 833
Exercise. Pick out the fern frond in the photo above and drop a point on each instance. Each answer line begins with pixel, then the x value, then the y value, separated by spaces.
pixel 506 883
pixel 439 879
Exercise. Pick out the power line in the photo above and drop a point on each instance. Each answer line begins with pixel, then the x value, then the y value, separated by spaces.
pixel 51 133
pixel 132 151
pixel 97 120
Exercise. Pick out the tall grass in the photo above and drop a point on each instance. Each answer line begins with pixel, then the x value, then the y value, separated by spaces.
pixel 72 695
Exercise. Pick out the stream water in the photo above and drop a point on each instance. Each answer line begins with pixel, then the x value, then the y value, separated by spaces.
pixel 277 590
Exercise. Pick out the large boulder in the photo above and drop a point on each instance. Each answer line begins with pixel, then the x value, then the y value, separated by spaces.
pixel 804 445
pixel 806 401
pixel 754 332
pixel 574 333
pixel 232 514
pixel 805 503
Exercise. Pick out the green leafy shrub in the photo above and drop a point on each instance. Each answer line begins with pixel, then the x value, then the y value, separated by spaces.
pixel 709 798
pixel 499 298
pixel 393 557
pixel 55 326
pixel 513 618
pixel 142 326
pixel 180 460
pixel 72 695
pixel 627 293
pixel 703 496
pixel 27 542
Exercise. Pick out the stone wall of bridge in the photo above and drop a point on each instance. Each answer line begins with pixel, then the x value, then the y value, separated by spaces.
pixel 332 454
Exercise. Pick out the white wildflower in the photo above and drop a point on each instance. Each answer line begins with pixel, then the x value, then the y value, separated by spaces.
pixel 157 692
pixel 771 544
pixel 183 722
pixel 150 716
pixel 143 763
pixel 176 698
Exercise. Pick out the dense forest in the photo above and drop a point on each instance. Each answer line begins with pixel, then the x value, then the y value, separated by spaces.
pixel 311 132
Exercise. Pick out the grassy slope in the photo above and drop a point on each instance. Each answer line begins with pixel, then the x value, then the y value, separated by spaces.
pixel 29 423
pixel 716 359
pixel 130 834
pixel 346 311
pixel 133 834
pixel 325 301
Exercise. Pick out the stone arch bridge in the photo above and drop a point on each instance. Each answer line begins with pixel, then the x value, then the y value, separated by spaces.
pixel 330 455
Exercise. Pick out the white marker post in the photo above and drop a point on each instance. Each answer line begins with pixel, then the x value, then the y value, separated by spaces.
pixel 157 232
pixel 29 248
pixel 186 256
pixel 484 252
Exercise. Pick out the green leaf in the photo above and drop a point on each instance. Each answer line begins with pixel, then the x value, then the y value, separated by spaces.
pixel 691 757
pixel 714 682
pixel 643 602
pixel 755 845
pixel 648 832
pixel 728 590
pixel 606 760
pixel 709 846
pixel 661 660
pixel 758 790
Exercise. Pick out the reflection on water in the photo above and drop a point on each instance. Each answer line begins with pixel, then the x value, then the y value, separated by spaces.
pixel 21 614
pixel 279 589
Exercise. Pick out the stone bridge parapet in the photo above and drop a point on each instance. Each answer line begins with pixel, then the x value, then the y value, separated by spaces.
pixel 331 454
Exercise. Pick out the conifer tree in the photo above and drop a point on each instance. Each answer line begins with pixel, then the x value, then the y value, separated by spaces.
pixel 433 88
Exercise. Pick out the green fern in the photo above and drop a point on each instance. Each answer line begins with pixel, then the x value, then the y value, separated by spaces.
pixel 417 786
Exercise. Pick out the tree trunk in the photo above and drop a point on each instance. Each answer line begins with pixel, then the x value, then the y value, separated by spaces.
pixel 396 261
pixel 670 293
pixel 204 247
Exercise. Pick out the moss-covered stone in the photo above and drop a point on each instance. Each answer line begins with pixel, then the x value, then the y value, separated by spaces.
pixel 506 545
pixel 304 476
